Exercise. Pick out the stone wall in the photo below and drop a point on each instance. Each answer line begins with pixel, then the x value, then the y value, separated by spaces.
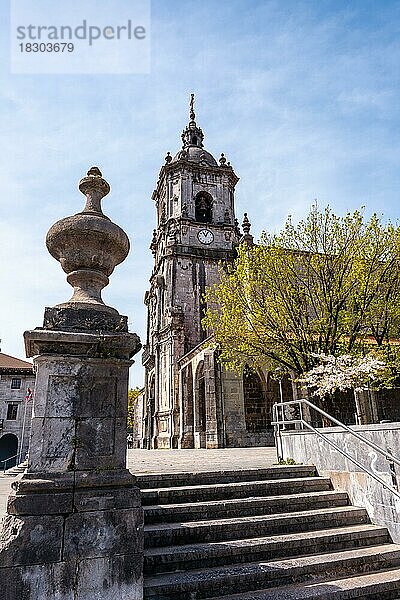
pixel 383 507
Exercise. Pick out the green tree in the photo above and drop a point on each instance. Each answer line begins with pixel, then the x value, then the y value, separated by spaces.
pixel 328 285
pixel 132 395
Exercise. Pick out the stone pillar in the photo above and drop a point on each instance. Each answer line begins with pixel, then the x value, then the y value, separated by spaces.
pixel 186 406
pixel 211 401
pixel 74 524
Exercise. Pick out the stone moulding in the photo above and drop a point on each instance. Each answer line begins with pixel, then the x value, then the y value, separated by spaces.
pixel 85 344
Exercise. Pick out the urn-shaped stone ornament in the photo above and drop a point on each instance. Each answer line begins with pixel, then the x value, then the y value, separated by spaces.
pixel 88 246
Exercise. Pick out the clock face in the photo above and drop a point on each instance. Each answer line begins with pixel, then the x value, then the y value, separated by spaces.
pixel 205 236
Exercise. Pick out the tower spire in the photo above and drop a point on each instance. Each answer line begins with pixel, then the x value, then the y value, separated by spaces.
pixel 192 135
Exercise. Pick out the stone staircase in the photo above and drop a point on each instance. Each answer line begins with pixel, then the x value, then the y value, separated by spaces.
pixel 277 533
pixel 16 470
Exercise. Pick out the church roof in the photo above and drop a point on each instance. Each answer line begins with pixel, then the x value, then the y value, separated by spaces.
pixel 195 154
pixel 9 363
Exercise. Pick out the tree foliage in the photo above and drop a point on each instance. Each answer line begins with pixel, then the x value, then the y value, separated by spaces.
pixel 328 285
pixel 132 395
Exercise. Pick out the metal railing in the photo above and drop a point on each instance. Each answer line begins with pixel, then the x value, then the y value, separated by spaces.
pixel 280 421
pixel 7 460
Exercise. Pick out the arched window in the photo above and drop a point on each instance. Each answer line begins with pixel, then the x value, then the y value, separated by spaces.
pixel 203 207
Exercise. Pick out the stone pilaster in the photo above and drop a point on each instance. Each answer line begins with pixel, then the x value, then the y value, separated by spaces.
pixel 74 524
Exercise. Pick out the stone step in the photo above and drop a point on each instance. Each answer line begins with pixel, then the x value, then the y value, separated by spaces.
pixel 16 470
pixel 208 583
pixel 228 529
pixel 240 489
pixel 184 558
pixel 205 478
pixel 242 507
pixel 383 585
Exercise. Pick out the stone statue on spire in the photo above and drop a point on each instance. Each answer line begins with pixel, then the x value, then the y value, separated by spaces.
pixel 192 113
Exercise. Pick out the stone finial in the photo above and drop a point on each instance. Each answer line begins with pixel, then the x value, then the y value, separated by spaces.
pixel 153 245
pixel 246 224
pixel 222 160
pixel 168 158
pixel 94 187
pixel 88 246
pixel 246 238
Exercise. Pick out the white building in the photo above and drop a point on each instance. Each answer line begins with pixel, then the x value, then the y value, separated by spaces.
pixel 17 381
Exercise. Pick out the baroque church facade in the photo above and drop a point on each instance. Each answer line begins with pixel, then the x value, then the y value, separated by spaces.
pixel 189 400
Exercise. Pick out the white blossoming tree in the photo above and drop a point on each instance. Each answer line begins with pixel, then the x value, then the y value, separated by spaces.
pixel 345 372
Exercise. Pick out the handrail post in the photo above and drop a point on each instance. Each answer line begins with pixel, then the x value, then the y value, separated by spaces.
pixel 301 415
pixel 392 470
pixel 277 434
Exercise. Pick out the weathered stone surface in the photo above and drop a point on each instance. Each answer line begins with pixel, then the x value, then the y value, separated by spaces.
pixel 116 578
pixel 52 444
pixel 53 581
pixel 82 344
pixel 82 319
pixel 39 504
pixel 102 533
pixel 31 540
pixel 106 499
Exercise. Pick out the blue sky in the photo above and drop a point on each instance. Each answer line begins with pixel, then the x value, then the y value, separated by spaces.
pixel 302 96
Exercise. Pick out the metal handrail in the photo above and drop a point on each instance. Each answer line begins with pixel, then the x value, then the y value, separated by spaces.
pixel 278 422
pixel 6 460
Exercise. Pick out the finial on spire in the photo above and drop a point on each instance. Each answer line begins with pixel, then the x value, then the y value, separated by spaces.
pixel 192 113
pixel 246 224
pixel 246 238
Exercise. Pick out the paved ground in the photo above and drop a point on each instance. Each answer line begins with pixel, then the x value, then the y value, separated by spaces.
pixel 181 461
pixel 5 483
pixel 188 461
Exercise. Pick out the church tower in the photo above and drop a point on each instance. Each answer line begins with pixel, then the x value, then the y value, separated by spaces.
pixel 196 230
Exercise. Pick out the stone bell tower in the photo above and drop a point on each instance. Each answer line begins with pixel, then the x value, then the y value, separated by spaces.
pixel 196 231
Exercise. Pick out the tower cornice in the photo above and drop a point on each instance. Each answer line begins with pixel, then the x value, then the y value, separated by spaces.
pixel 182 167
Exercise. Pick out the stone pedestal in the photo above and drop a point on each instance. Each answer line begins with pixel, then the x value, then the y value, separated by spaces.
pixel 74 527
pixel 74 524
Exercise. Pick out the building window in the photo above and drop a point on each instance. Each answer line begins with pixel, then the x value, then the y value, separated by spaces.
pixel 12 410
pixel 15 384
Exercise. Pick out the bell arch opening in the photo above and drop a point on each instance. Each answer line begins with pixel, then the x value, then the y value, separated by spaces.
pixel 203 207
